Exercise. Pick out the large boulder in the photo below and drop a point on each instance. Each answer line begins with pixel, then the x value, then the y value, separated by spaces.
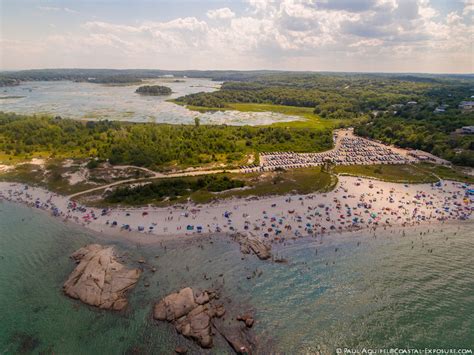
pixel 194 315
pixel 190 314
pixel 197 326
pixel 252 244
pixel 99 279
pixel 175 305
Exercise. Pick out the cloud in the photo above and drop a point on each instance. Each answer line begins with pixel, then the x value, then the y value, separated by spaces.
pixel 318 34
pixel 49 8
pixel 71 11
pixel 221 14
pixel 56 9
pixel 468 7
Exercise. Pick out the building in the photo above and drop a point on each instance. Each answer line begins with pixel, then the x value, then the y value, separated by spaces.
pixel 466 105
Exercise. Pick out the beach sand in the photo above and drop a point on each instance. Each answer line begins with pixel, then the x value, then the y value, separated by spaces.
pixel 355 204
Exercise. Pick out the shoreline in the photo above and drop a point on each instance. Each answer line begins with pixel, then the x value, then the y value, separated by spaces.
pixel 355 204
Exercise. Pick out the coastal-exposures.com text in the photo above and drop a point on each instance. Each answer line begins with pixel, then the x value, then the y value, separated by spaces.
pixel 421 351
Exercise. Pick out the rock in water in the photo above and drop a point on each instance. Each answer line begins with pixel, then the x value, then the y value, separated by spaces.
pixel 190 317
pixel 194 315
pixel 253 244
pixel 99 279
pixel 175 305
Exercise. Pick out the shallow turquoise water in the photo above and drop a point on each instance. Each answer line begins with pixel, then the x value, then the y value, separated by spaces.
pixel 344 291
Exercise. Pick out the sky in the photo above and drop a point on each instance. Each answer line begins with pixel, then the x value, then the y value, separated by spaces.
pixel 429 36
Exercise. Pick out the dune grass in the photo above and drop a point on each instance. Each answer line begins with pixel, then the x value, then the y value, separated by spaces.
pixel 445 172
pixel 296 181
pixel 404 173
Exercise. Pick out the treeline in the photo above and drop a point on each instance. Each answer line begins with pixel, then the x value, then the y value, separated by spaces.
pixel 117 75
pixel 335 96
pixel 114 79
pixel 417 127
pixel 171 189
pixel 154 90
pixel 8 81
pixel 151 145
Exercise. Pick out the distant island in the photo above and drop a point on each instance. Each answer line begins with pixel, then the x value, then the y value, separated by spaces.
pixel 153 90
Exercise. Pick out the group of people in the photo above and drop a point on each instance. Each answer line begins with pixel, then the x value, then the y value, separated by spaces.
pixel 355 204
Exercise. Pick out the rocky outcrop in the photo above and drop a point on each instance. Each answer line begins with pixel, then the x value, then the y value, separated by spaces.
pixel 190 314
pixel 252 244
pixel 195 314
pixel 99 279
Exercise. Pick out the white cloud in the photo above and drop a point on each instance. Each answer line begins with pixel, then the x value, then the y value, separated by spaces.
pixel 56 9
pixel 222 14
pixel 49 8
pixel 468 7
pixel 320 34
pixel 71 11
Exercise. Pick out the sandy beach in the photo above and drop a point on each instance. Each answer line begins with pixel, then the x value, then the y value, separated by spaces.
pixel 355 204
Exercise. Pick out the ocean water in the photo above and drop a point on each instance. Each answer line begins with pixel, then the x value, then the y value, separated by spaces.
pixel 95 101
pixel 356 290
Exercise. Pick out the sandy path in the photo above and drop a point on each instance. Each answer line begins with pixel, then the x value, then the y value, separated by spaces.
pixel 156 175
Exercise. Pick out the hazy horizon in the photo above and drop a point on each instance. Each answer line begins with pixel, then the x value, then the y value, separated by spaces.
pixel 242 70
pixel 371 36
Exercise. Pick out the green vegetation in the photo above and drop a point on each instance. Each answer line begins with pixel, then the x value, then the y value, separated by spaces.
pixel 329 95
pixel 298 181
pixel 171 189
pixel 157 146
pixel 221 186
pixel 308 118
pixel 391 108
pixel 49 178
pixel 448 173
pixel 414 173
pixel 115 80
pixel 394 108
pixel 417 127
pixel 8 81
pixel 55 175
pixel 390 173
pixel 154 90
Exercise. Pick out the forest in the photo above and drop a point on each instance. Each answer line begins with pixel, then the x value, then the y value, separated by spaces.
pixel 417 127
pixel 336 96
pixel 394 108
pixel 154 90
pixel 148 144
